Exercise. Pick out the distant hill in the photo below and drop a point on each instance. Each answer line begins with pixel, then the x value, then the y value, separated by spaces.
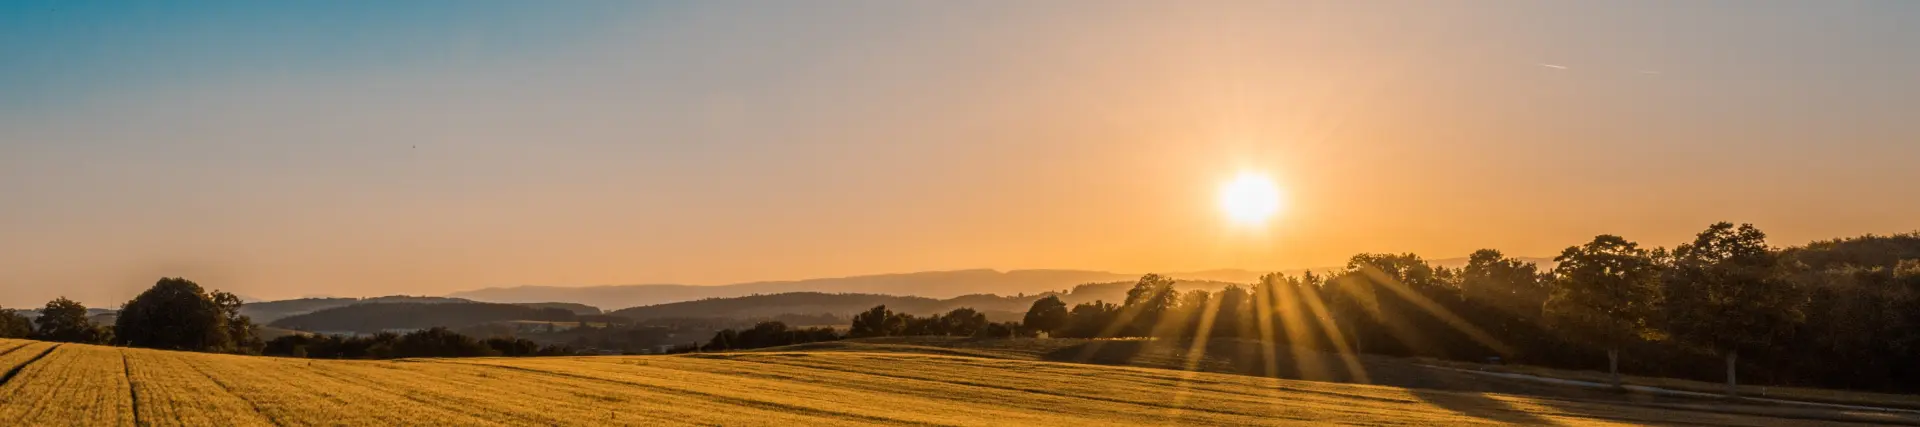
pixel 1116 292
pixel 576 308
pixel 935 285
pixel 376 317
pixel 844 306
pixel 931 284
pixel 269 311
pixel 93 314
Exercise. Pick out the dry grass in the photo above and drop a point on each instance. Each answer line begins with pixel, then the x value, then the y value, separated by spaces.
pixel 94 385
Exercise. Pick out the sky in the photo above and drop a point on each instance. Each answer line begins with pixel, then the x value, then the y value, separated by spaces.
pixel 358 148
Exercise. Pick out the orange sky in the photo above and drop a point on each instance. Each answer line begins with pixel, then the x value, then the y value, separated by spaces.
pixel 707 144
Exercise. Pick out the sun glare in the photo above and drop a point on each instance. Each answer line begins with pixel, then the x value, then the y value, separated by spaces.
pixel 1250 198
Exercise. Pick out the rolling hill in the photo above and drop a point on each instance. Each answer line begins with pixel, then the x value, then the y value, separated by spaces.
pixel 938 284
pixel 267 312
pixel 49 384
pixel 997 308
pixel 373 318
pixel 931 284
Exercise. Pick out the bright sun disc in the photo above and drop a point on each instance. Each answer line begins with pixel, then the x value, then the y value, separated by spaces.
pixel 1250 198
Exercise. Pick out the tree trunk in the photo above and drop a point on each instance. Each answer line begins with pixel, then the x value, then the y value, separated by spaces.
pixel 1613 366
pixel 1732 389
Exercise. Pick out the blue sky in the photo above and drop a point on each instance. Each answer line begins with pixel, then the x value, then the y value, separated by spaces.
pixel 280 149
pixel 56 51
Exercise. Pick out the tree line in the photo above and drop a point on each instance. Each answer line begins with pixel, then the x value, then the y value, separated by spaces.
pixel 878 321
pixel 431 342
pixel 1842 313
pixel 175 314
pixel 178 314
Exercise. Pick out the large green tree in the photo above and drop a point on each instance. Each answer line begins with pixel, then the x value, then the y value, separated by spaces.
pixel 1729 291
pixel 1605 292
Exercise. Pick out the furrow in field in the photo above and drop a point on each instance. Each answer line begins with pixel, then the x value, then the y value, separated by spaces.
pixel 12 362
pixel 993 405
pixel 72 384
pixel 133 393
pixel 290 393
pixel 474 389
pixel 938 403
pixel 1089 385
pixel 8 346
pixel 171 392
pixel 731 392
pixel 562 399
pixel 557 400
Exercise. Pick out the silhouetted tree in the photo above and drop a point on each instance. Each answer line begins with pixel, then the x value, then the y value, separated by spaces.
pixel 1047 315
pixel 767 334
pixel 175 314
pixel 1148 303
pixel 1007 330
pixel 1192 312
pixel 1505 296
pixel 241 332
pixel 65 320
pixel 439 342
pixel 1605 291
pixel 962 322
pixel 14 325
pixel 1727 290
pixel 875 322
pixel 1096 319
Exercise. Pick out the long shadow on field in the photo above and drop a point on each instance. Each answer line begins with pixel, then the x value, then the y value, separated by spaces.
pixel 1478 405
pixel 1101 352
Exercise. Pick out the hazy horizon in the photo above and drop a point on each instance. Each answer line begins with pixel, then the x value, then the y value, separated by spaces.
pixel 284 149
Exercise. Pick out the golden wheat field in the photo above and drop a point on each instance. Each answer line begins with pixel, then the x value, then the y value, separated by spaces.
pixel 71 384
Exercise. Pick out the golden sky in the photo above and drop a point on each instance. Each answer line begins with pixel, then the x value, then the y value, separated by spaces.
pixel 356 150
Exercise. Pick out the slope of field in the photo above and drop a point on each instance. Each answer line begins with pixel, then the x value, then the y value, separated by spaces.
pixel 68 384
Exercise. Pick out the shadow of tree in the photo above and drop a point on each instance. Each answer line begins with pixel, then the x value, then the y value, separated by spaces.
pixel 1479 405
pixel 1100 352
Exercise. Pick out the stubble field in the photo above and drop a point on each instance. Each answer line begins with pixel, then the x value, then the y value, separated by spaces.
pixel 72 384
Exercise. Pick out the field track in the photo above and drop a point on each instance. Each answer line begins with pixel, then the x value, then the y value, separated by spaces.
pixel 71 384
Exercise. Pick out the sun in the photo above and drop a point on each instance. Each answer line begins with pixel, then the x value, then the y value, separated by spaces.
pixel 1250 198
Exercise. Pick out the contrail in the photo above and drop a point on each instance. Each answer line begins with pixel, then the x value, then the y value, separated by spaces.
pixel 1556 67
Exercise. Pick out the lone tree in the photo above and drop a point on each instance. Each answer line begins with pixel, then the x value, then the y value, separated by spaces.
pixel 1727 290
pixel 66 320
pixel 1604 292
pixel 177 314
pixel 1047 314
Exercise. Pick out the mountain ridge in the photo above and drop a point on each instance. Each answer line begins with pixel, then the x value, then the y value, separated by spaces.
pixel 941 284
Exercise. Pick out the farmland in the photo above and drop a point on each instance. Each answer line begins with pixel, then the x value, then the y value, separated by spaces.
pixel 75 384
